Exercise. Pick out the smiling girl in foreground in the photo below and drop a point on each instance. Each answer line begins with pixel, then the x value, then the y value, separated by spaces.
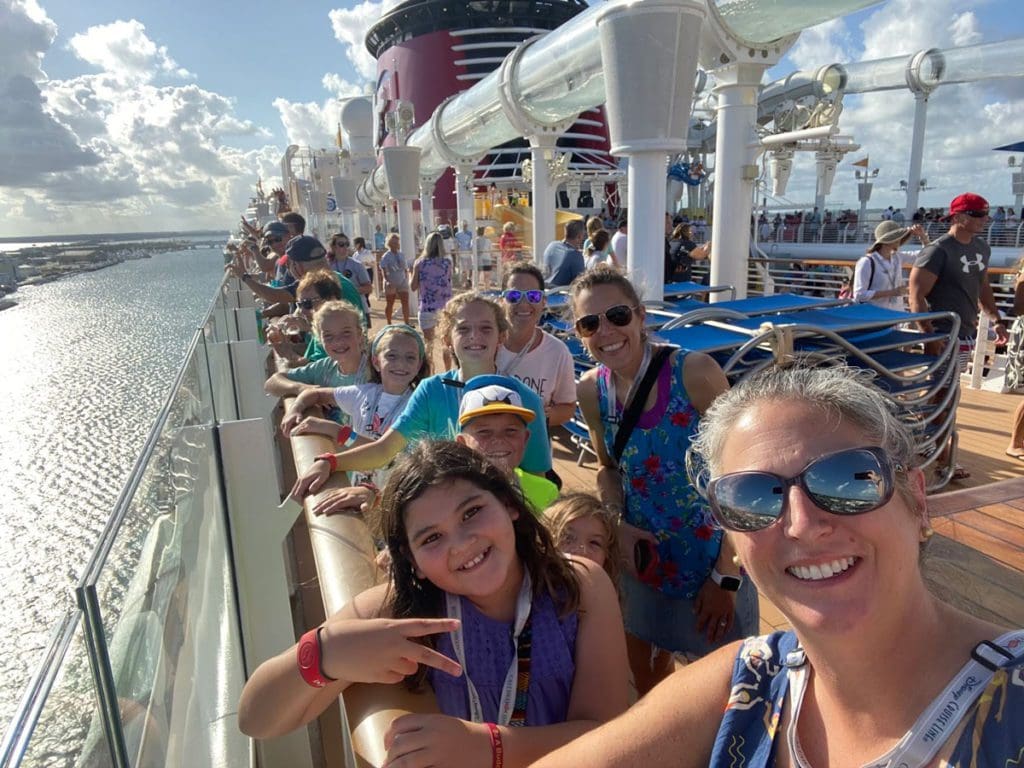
pixel 512 633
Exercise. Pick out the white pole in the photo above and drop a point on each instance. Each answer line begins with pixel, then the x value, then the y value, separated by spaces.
pixel 427 203
pixel 542 149
pixel 734 177
pixel 464 192
pixel 645 241
pixel 407 236
pixel 916 153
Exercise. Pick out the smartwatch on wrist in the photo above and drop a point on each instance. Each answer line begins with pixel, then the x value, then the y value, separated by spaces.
pixel 728 583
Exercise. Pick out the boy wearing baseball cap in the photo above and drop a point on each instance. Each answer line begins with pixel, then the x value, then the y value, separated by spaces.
pixel 494 422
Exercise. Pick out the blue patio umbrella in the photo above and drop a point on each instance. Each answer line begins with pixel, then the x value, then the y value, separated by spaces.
pixel 1017 146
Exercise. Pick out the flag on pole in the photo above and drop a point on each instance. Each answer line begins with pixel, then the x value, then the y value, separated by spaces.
pixel 862 163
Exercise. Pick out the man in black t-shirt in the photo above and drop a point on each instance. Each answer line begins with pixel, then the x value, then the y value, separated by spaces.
pixel 951 274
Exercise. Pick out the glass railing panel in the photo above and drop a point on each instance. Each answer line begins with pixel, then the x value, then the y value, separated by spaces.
pixel 159 596
pixel 55 728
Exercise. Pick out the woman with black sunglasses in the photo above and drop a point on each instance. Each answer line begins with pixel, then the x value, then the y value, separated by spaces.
pixel 814 474
pixel 682 592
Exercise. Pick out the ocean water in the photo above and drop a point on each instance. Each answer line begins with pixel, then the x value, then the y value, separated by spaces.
pixel 85 365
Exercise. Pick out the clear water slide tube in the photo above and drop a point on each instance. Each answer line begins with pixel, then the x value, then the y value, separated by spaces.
pixel 926 70
pixel 561 75
pixel 763 21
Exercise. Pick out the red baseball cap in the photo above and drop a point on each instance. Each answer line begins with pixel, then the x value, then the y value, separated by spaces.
pixel 965 203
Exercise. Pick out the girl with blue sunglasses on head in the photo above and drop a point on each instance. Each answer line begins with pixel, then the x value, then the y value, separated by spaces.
pixel 814 474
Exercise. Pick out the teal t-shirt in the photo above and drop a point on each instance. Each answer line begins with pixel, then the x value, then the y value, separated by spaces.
pixel 433 413
pixel 325 373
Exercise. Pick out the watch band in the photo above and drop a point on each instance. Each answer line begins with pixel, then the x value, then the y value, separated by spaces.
pixel 728 583
pixel 308 655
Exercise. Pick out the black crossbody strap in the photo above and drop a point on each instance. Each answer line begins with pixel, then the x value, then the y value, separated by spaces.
pixel 635 406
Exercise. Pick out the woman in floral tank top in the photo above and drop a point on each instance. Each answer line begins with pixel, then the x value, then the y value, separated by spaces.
pixel 680 602
pixel 432 279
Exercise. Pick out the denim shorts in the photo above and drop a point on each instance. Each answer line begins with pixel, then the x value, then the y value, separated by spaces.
pixel 671 624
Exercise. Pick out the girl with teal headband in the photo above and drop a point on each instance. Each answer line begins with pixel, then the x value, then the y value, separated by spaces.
pixel 399 362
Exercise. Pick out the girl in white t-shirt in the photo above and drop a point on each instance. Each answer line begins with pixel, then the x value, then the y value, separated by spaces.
pixel 399 363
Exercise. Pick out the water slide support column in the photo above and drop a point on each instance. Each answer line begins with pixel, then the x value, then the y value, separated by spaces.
pixel 542 152
pixel 735 173
pixel 427 202
pixel 402 168
pixel 652 36
pixel 921 86
pixel 464 192
pixel 916 152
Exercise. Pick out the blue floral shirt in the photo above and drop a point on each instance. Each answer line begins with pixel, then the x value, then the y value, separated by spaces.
pixel 657 490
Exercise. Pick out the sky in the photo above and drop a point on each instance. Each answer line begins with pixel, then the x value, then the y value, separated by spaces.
pixel 137 115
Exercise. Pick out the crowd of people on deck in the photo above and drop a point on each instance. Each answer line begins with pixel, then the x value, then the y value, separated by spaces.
pixel 619 624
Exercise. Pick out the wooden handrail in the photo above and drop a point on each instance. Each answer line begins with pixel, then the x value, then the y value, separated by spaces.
pixel 344 552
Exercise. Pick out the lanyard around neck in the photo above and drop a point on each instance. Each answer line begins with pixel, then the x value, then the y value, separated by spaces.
pixel 514 362
pixel 645 363
pixel 511 696
pixel 926 736
pixel 377 430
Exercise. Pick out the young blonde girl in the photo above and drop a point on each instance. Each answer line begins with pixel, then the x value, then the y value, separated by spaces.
pixel 471 326
pixel 471 569
pixel 338 326
pixel 582 525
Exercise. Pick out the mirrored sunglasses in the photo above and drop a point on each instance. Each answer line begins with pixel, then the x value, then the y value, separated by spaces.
pixel 620 316
pixel 514 297
pixel 847 482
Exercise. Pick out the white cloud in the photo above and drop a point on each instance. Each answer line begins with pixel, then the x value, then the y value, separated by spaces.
pixel 350 26
pixel 825 43
pixel 33 142
pixel 123 50
pixel 964 29
pixel 114 151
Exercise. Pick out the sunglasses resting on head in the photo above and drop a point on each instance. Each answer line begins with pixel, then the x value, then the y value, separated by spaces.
pixel 848 482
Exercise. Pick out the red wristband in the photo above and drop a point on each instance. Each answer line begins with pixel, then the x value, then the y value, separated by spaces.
pixel 343 435
pixel 308 655
pixel 497 750
pixel 330 458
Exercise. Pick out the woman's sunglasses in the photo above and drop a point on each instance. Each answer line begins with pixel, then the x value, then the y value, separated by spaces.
pixel 620 315
pixel 514 297
pixel 848 482
pixel 308 303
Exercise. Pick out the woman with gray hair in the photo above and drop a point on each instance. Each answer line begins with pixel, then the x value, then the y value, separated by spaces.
pixel 812 472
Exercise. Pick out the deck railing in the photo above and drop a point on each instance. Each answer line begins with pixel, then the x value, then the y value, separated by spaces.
pixel 147 668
